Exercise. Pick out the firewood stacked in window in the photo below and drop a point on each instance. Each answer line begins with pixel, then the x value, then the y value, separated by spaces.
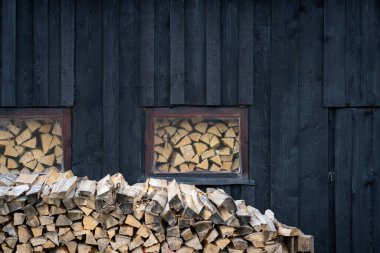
pixel 59 212
pixel 30 145
pixel 196 145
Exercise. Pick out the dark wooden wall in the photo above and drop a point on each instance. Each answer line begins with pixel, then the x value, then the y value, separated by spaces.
pixel 308 70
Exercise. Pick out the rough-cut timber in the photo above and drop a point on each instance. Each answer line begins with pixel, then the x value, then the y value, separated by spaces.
pixel 60 212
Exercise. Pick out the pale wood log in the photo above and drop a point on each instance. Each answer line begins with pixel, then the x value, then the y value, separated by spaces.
pixel 201 127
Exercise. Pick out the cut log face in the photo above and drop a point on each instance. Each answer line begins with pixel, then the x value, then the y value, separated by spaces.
pixel 196 145
pixel 31 145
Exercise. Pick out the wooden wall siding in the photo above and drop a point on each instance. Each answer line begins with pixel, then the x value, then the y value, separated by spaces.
pixel 290 62
pixel 352 54
pixel 357 180
pixel 37 53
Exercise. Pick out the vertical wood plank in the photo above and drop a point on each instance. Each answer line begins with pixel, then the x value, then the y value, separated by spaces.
pixel 230 52
pixel 177 52
pixel 87 113
pixel 353 66
pixel 343 185
pixel 213 70
pixel 110 86
pixel 362 173
pixel 54 52
pixel 376 179
pixel 131 134
pixel 313 127
pixel 25 54
pixel 8 53
pixel 284 111
pixel 370 30
pixel 246 44
pixel 334 81
pixel 162 53
pixel 67 51
pixel 41 54
pixel 147 38
pixel 195 54
pixel 259 114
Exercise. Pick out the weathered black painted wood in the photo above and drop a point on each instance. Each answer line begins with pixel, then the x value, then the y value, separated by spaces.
pixel 25 53
pixel 41 53
pixel 88 112
pixel 313 127
pixel 195 53
pixel 246 45
pixel 334 83
pixel 284 111
pixel 131 133
pixel 213 69
pixel 67 51
pixel 343 185
pixel 230 52
pixel 54 53
pixel 177 52
pixel 147 37
pixel 110 87
pixel 162 53
pixel 259 114
pixel 8 53
pixel 362 173
pixel 376 179
pixel 352 45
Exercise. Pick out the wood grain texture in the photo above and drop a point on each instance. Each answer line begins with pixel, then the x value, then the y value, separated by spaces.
pixel 343 168
pixel 110 86
pixel 259 114
pixel 54 54
pixel 162 53
pixel 246 45
pixel 8 53
pixel 131 118
pixel 41 53
pixel 213 47
pixel 88 112
pixel 230 52
pixel 177 52
pixel 195 54
pixel 67 52
pixel 284 111
pixel 147 8
pixel 313 127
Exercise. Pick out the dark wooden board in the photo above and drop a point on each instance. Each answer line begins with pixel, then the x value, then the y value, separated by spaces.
pixel 195 54
pixel 25 53
pixel 8 53
pixel 284 111
pixel 88 112
pixel 213 47
pixel 376 179
pixel 54 34
pixel 147 37
pixel 111 86
pixel 41 52
pixel 313 127
pixel 177 52
pixel 343 185
pixel 131 134
pixel 162 53
pixel 67 52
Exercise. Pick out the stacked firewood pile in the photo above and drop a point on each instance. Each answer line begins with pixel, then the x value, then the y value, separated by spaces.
pixel 202 145
pixel 60 212
pixel 30 145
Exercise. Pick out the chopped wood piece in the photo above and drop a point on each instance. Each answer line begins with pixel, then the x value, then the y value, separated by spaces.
pixel 186 125
pixel 132 221
pixel 214 142
pixel 229 142
pixel 57 130
pixel 221 127
pixel 5 135
pixel 207 154
pixel 185 141
pixel 11 164
pixel 203 165
pixel 230 133
pixel 215 131
pixel 89 222
pixel 200 148
pixel 11 151
pixel 170 130
pixel 195 136
pixel 47 160
pixel 201 127
pixel 46 140
pixel 220 198
pixel 24 136
pixel 177 159
pixel 30 143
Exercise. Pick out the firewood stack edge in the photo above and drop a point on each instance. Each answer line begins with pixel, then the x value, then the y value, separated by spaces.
pixel 59 212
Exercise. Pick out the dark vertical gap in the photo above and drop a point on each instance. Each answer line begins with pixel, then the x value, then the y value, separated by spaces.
pixel 331 178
